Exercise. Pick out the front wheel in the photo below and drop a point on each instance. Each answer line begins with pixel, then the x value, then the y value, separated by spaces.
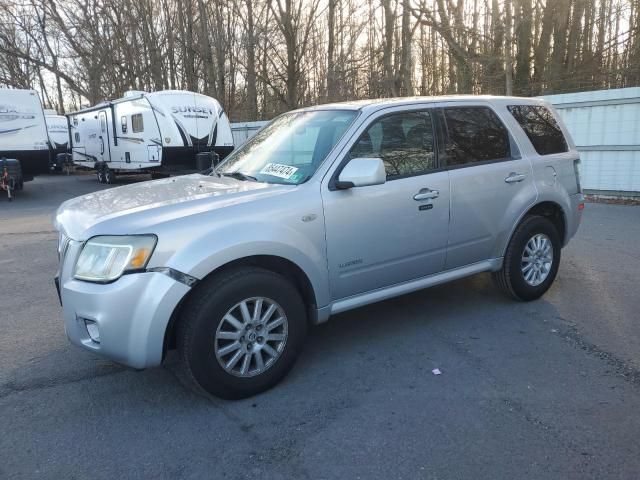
pixel 241 332
pixel 532 259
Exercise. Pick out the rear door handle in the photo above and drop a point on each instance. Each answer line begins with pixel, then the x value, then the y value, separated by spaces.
pixel 426 194
pixel 515 177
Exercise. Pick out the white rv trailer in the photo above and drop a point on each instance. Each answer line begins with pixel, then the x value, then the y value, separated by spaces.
pixel 58 131
pixel 157 132
pixel 23 131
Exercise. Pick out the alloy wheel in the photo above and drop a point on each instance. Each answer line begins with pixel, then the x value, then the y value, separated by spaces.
pixel 251 337
pixel 537 259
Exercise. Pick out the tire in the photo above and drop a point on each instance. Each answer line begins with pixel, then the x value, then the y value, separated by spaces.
pixel 511 278
pixel 100 175
pixel 203 320
pixel 109 176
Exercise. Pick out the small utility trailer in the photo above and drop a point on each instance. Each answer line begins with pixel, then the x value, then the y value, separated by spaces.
pixel 11 178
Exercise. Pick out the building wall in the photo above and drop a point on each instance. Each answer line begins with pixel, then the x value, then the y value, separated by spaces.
pixel 243 131
pixel 605 126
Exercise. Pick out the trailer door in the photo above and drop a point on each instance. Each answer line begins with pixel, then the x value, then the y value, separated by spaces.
pixel 103 138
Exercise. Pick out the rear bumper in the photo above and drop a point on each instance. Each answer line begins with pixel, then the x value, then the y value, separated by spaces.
pixel 574 217
pixel 131 315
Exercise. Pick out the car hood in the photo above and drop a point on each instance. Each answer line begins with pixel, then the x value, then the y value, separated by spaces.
pixel 142 204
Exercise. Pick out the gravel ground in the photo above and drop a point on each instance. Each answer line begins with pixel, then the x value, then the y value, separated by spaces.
pixel 541 390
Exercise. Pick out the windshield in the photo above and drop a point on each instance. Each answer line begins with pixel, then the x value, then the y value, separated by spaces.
pixel 290 149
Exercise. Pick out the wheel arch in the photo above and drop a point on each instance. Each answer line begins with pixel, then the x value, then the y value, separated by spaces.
pixel 548 209
pixel 285 267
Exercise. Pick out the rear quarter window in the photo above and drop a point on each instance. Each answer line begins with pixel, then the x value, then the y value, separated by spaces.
pixel 541 128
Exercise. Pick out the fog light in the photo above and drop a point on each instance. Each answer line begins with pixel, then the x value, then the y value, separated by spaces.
pixel 92 330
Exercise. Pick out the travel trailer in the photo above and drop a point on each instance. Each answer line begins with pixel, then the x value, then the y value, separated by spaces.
pixel 23 131
pixel 161 133
pixel 58 131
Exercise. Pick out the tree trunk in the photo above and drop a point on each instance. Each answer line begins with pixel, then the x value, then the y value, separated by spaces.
pixel 252 91
pixel 406 67
pixel 331 68
pixel 523 42
pixel 507 48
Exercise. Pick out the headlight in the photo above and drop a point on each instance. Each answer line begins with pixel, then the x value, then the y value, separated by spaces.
pixel 107 258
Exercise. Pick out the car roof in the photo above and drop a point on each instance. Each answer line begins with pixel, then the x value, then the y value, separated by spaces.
pixel 372 105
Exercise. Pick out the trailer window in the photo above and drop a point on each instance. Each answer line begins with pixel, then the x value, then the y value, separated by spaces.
pixel 137 125
pixel 123 124
pixel 77 137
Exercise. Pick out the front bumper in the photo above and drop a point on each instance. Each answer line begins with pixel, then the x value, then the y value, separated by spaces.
pixel 131 314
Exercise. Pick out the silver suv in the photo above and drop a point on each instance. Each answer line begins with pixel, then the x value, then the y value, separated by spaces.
pixel 324 210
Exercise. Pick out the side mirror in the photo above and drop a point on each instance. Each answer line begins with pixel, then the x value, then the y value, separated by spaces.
pixel 362 172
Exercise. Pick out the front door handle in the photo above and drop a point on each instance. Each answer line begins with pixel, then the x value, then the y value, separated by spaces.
pixel 426 194
pixel 515 177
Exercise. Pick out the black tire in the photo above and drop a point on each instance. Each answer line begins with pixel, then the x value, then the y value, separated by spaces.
pixel 510 278
pixel 203 314
pixel 109 176
pixel 100 175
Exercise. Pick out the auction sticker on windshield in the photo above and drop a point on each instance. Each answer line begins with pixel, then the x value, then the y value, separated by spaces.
pixel 279 170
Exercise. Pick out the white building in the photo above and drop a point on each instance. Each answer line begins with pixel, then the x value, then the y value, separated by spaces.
pixel 605 126
pixel 243 131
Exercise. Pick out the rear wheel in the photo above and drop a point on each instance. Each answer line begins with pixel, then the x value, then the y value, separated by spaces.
pixel 241 332
pixel 532 259
pixel 100 175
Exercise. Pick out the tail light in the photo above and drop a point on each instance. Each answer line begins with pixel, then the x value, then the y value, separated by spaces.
pixel 576 169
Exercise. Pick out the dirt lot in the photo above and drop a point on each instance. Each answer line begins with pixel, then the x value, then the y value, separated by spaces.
pixel 548 389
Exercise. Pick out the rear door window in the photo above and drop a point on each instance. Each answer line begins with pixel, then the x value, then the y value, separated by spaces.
pixel 474 135
pixel 541 128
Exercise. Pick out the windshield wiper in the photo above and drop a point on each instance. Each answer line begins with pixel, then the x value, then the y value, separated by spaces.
pixel 240 176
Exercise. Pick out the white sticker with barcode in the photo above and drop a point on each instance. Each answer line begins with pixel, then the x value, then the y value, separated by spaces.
pixel 279 170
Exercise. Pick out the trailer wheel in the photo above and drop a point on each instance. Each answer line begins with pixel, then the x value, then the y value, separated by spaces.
pixel 100 175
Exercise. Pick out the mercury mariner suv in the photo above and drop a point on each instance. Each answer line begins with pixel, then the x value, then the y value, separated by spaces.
pixel 325 209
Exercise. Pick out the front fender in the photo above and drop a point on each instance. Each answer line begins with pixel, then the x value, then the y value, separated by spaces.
pixel 304 247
